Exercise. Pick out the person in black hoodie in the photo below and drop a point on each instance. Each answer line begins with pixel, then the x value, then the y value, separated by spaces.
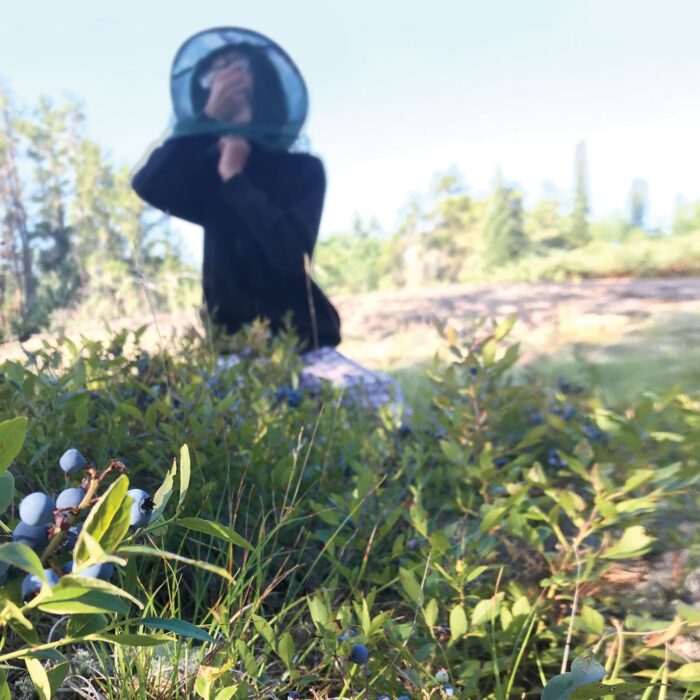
pixel 260 207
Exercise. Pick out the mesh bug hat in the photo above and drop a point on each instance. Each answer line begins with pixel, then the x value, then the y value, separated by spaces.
pixel 270 108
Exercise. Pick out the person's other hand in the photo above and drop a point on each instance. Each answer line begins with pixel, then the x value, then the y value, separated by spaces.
pixel 233 156
pixel 229 97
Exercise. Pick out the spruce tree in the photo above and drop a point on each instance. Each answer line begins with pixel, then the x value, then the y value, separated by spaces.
pixel 579 233
pixel 504 234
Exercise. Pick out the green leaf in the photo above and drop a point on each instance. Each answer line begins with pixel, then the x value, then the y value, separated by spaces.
pixel 134 640
pixel 209 527
pixel 285 649
pixel 430 612
pixel 71 600
pixel 39 678
pixel 687 672
pixel 485 611
pixel 319 611
pixel 591 620
pixel 410 584
pixel 82 625
pixel 633 543
pixel 458 623
pixel 263 628
pixel 164 492
pixel 57 675
pixel 7 491
pixel 174 624
pixel 505 327
pixel 78 581
pixel 184 475
pixel 600 690
pixel 12 434
pixel 22 557
pixel 492 516
pixel 106 514
pixel 4 688
pixel 452 451
pixel 143 550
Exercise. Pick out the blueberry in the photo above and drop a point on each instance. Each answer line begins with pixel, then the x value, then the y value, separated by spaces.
pixel 72 461
pixel 359 654
pixel 535 418
pixel 32 584
pixel 141 507
pixel 404 697
pixel 102 571
pixel 34 536
pixel 557 410
pixel 569 413
pixel 442 676
pixel 565 387
pixel 70 498
pixel 36 509
pixel 293 695
pixel 3 572
pixel 71 537
pixel 501 461
pixel 554 459
pixel 473 371
pixel 346 635
pixel 448 689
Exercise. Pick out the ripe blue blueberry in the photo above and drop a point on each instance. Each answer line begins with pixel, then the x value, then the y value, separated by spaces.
pixel 404 697
pixel 71 537
pixel 72 461
pixel 70 498
pixel 448 689
pixel 569 413
pixel 346 635
pixel 359 654
pixel 501 461
pixel 103 571
pixel 36 509
pixel 34 536
pixel 535 418
pixel 31 584
pixel 293 695
pixel 141 507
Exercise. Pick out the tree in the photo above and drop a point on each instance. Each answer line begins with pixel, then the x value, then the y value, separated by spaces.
pixel 73 231
pixel 638 203
pixel 579 233
pixel 503 234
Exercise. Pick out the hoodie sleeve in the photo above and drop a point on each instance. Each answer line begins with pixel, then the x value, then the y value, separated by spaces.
pixel 176 178
pixel 280 233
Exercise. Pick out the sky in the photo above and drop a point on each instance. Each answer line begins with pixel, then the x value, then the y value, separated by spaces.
pixel 402 90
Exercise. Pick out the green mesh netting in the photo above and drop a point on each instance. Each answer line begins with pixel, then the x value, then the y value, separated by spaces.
pixel 235 81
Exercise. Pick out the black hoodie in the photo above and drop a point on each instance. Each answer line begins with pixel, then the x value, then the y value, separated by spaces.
pixel 258 226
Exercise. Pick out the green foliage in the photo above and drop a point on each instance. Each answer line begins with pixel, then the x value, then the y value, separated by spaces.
pixel 504 237
pixel 75 233
pixel 285 535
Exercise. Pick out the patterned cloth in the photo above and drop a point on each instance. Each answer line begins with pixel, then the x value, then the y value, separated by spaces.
pixel 370 389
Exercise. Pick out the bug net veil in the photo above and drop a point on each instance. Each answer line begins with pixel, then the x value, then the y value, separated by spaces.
pixel 235 81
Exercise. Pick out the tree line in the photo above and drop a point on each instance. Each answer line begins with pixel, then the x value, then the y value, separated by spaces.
pixel 450 236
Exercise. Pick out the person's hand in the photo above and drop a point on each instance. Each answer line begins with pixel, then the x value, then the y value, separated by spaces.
pixel 233 156
pixel 229 97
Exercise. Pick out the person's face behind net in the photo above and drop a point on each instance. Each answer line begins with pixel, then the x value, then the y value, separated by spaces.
pixel 239 86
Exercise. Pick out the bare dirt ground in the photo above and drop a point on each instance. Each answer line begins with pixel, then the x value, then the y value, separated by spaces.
pixel 389 330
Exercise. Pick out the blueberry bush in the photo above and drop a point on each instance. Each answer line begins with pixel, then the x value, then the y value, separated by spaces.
pixel 502 543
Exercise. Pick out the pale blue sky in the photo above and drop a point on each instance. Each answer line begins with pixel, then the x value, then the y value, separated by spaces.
pixel 400 90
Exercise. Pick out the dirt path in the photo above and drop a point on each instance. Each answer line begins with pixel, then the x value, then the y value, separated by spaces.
pixel 390 328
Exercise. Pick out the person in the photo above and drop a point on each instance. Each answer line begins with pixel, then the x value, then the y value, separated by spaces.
pixel 260 207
